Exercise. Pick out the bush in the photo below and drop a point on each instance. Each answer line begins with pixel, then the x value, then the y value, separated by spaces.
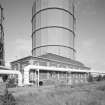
pixel 90 78
pixel 4 77
pixel 11 83
pixel 99 78
pixel 8 98
pixel 103 77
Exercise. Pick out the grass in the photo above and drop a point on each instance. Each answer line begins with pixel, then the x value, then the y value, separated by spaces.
pixel 89 94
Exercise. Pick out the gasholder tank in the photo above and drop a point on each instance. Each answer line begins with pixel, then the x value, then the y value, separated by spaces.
pixel 52 28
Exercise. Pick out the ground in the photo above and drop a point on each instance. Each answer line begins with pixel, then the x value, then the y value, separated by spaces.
pixel 88 94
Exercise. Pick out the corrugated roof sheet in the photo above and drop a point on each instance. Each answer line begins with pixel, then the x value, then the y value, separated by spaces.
pixel 62 59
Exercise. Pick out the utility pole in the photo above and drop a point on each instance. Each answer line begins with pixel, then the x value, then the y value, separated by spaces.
pixel 2 61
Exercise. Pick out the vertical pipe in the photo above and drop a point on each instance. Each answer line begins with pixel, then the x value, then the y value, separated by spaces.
pixel 20 79
pixel 38 77
pixel 35 76
pixel 58 75
pixel 47 75
pixel 67 78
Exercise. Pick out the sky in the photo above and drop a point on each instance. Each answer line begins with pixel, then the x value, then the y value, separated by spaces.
pixel 90 31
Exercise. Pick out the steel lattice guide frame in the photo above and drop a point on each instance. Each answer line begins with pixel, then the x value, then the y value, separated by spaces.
pixel 2 62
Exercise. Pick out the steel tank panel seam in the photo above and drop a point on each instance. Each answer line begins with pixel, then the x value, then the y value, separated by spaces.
pixel 53 8
pixel 53 45
pixel 53 27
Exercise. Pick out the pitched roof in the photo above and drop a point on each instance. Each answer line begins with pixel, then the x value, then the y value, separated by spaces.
pixel 54 57
pixel 51 56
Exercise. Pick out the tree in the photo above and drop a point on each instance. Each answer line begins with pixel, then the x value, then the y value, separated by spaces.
pixel 90 78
